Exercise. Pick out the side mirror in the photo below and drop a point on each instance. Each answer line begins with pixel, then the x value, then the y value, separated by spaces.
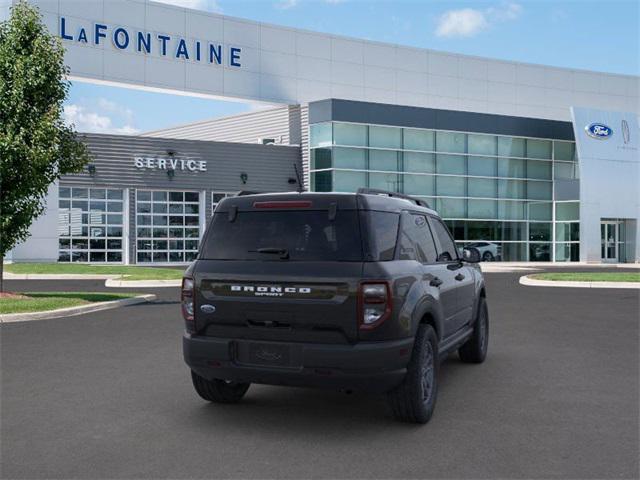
pixel 471 255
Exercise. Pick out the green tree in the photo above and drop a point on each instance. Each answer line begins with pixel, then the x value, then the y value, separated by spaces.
pixel 36 147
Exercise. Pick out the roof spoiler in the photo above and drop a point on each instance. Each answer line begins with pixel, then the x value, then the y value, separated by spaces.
pixel 374 191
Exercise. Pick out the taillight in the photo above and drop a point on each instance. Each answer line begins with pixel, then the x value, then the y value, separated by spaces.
pixel 374 302
pixel 186 299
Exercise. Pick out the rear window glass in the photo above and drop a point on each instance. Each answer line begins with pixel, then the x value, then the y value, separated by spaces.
pixel 294 235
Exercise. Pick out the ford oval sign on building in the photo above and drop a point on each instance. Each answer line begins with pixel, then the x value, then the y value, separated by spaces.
pixel 599 131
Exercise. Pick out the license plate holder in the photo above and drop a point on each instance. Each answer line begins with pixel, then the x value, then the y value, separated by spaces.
pixel 265 354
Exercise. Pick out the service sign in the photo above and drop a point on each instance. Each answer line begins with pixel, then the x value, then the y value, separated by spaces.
pixel 171 163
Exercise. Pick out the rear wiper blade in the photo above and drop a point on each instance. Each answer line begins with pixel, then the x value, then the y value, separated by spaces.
pixel 283 252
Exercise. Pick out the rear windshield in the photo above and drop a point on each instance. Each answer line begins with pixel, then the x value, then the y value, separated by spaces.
pixel 284 235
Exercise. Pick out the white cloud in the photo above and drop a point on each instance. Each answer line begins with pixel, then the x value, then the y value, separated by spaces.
pixel 207 5
pixel 467 22
pixel 104 117
pixel 286 4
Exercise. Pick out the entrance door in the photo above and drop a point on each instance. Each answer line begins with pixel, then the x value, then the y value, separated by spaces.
pixel 609 241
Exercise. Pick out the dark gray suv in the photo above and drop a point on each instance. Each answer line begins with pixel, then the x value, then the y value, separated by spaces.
pixel 361 291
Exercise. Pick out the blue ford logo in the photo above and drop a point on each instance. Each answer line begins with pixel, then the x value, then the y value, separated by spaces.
pixel 599 131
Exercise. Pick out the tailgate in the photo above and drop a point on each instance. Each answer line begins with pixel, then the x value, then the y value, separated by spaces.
pixel 275 300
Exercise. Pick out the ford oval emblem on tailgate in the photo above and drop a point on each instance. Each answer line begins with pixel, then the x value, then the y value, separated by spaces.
pixel 206 308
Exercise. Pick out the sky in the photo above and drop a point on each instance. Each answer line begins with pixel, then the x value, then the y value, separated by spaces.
pixel 601 35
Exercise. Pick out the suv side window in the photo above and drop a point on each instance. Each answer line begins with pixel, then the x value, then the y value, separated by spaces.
pixel 416 242
pixel 447 251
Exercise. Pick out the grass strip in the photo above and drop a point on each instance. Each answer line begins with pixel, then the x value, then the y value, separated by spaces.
pixel 44 301
pixel 129 272
pixel 588 276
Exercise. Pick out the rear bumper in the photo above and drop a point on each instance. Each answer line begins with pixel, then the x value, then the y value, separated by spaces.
pixel 366 366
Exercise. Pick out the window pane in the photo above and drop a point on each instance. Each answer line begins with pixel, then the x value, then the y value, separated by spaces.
pixel 384 181
pixel 322 181
pixel 514 252
pixel 349 158
pixel 418 184
pixel 567 211
pixel 565 171
pixel 511 189
pixel 482 209
pixel 416 241
pixel 320 134
pixel 191 196
pixel 173 196
pixel 508 210
pixel 385 137
pixel 79 192
pixel 454 164
pixel 114 194
pixel 447 250
pixel 98 193
pixel 450 186
pixel 483 144
pixel 349 134
pixel 539 232
pixel 64 192
pixel 419 162
pixel 143 196
pixel 349 181
pixel 540 252
pixel 567 252
pixel 320 158
pixel 450 142
pixel 511 231
pixel 538 148
pixel 539 190
pixel 382 243
pixel 540 170
pixel 564 150
pixel 481 231
pixel 511 167
pixel 567 232
pixel 483 166
pixel 451 207
pixel 161 196
pixel 510 147
pixel 482 187
pixel 539 211
pixel 419 139
pixel 383 160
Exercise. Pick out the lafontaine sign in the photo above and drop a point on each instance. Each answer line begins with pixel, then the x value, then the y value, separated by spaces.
pixel 160 44
pixel 172 163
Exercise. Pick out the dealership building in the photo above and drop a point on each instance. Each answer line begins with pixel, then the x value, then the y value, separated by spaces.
pixel 531 162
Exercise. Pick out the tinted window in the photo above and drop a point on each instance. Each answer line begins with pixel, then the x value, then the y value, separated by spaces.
pixel 446 248
pixel 304 235
pixel 416 242
pixel 382 228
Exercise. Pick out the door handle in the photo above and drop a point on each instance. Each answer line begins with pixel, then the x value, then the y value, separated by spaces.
pixel 459 277
pixel 435 282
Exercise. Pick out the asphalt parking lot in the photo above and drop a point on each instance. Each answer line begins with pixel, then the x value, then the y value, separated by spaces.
pixel 107 395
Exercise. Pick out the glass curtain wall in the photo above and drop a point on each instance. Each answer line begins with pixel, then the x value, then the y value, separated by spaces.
pixel 492 190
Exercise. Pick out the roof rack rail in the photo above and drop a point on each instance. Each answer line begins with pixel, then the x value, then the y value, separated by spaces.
pixel 375 191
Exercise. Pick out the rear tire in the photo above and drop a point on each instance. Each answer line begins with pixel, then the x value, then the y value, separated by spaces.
pixel 219 391
pixel 414 400
pixel 488 257
pixel 475 349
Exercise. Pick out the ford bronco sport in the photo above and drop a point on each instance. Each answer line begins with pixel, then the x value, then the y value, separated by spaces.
pixel 361 291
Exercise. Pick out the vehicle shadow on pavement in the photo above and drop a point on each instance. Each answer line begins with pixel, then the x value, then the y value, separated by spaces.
pixel 292 410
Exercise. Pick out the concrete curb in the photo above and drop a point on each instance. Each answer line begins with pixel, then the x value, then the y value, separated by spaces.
pixel 79 310
pixel 113 281
pixel 117 283
pixel 532 282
